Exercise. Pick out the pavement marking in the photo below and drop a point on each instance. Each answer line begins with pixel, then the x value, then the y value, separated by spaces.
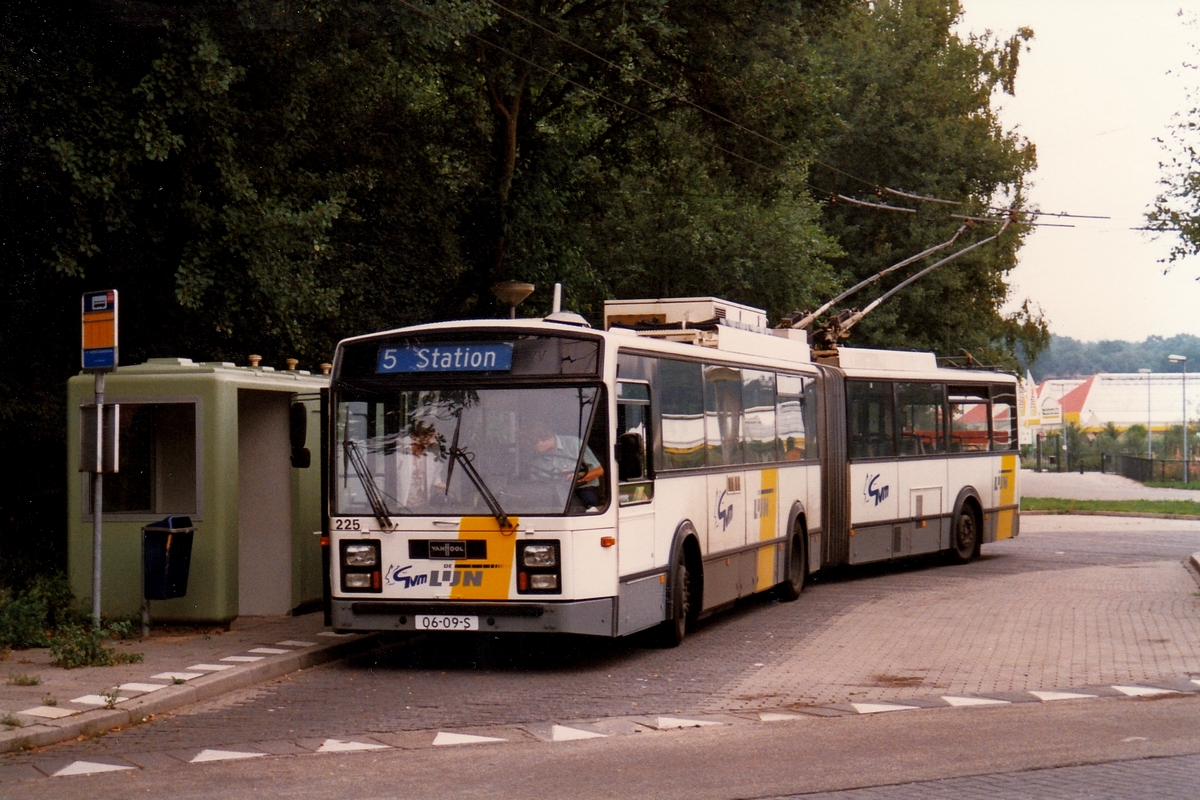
pixel 331 633
pixel 1135 739
pixel 1142 691
pixel 271 651
pixel 561 733
pixel 209 667
pixel 1197 682
pixel 222 755
pixel 175 676
pixel 1046 697
pixel 675 723
pixel 775 716
pixel 338 746
pixel 141 687
pixel 960 702
pixel 879 708
pixel 96 700
pixel 87 768
pixel 295 643
pixel 50 712
pixel 444 738
pixel 243 658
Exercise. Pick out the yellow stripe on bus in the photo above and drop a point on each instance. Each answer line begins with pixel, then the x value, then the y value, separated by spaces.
pixel 489 578
pixel 1008 493
pixel 768 513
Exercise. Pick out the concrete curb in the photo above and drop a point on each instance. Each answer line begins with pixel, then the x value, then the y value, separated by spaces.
pixel 173 697
pixel 1145 515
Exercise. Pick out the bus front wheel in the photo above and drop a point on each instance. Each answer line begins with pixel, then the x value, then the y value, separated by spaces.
pixel 965 535
pixel 672 630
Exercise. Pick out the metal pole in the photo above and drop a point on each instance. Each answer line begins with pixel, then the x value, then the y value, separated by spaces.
pixel 1185 437
pixel 97 500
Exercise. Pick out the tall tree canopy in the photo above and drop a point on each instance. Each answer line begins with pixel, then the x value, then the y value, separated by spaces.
pixel 272 175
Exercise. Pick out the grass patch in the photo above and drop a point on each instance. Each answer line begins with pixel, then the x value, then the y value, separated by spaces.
pixel 1171 507
pixel 21 679
pixel 10 721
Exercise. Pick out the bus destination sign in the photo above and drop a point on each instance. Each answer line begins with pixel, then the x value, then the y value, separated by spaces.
pixel 492 357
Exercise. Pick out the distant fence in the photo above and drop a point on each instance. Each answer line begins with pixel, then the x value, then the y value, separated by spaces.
pixel 1144 470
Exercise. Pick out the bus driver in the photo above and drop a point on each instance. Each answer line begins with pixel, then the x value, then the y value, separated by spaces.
pixel 555 456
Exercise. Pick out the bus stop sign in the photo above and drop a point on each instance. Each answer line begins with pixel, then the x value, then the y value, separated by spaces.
pixel 100 331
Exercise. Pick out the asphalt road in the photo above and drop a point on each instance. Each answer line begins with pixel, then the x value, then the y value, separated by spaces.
pixel 1074 603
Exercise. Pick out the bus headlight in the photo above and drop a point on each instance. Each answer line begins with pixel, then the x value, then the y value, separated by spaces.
pixel 539 567
pixel 360 555
pixel 358 580
pixel 360 566
pixel 543 583
pixel 539 555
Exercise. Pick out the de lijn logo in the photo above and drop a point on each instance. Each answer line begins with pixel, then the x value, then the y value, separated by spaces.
pixel 872 491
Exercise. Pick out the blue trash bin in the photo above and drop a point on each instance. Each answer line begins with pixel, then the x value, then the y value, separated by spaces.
pixel 167 557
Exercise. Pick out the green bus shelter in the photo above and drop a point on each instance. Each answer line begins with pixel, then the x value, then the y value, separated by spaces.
pixel 212 441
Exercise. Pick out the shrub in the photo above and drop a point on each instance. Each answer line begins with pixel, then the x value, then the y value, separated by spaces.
pixel 76 646
pixel 25 617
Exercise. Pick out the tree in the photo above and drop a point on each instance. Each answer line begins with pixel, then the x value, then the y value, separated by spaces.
pixel 914 114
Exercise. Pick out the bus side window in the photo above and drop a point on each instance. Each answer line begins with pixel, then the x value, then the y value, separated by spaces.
pixel 681 422
pixel 723 415
pixel 871 419
pixel 968 418
pixel 1004 418
pixel 922 411
pixel 793 419
pixel 758 402
pixel 634 464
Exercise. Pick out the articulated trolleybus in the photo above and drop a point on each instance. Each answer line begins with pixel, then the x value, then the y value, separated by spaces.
pixel 538 475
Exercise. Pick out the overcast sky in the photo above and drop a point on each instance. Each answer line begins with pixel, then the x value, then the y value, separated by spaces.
pixel 1101 82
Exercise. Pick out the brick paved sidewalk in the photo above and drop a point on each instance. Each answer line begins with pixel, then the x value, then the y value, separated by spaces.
pixel 178 667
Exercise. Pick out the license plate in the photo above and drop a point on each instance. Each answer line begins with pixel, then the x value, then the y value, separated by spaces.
pixel 446 622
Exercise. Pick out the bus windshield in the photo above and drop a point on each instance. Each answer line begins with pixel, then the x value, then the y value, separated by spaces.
pixel 534 450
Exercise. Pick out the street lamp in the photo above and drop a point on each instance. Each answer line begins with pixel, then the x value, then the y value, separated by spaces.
pixel 1182 360
pixel 1149 436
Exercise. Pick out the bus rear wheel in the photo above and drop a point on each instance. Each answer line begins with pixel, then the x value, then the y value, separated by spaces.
pixel 965 535
pixel 797 572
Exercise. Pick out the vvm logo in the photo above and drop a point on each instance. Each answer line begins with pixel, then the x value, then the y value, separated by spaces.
pixel 395 575
pixel 870 490
pixel 724 512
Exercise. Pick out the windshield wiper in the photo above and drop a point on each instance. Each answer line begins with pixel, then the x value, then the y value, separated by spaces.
pixel 459 454
pixel 378 507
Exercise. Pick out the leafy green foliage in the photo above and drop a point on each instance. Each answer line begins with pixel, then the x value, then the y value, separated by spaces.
pixel 27 616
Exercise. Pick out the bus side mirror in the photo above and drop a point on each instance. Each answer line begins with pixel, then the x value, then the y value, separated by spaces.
pixel 298 433
pixel 630 454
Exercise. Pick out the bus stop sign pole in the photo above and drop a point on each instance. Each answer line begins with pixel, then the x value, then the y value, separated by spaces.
pixel 99 345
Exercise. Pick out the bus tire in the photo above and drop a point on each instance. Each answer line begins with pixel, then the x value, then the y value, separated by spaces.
pixel 671 631
pixel 797 570
pixel 964 541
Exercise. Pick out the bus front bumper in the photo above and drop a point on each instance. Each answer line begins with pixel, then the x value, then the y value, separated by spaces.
pixel 591 617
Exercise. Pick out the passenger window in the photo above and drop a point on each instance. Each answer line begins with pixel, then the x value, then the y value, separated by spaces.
pixel 870 417
pixel 1004 418
pixel 968 419
pixel 792 415
pixel 758 400
pixel 921 409
pixel 682 416
pixel 157 461
pixel 723 415
pixel 634 467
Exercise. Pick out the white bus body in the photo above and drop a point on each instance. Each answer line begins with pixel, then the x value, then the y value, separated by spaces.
pixel 535 476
